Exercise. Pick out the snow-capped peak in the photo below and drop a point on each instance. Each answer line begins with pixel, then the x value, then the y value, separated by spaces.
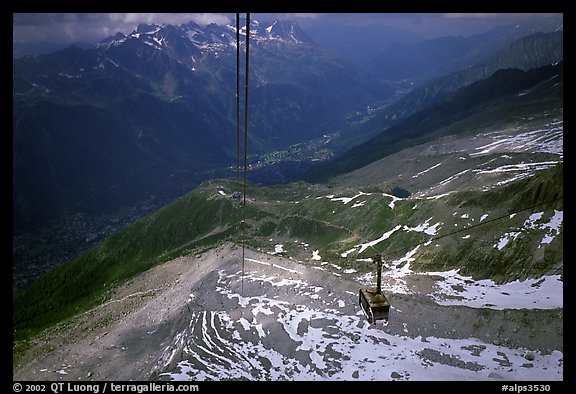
pixel 189 42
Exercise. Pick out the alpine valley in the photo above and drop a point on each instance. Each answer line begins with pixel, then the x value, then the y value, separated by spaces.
pixel 104 135
pixel 457 182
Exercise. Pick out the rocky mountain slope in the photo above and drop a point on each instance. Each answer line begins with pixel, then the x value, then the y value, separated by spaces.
pixel 196 318
pixel 473 270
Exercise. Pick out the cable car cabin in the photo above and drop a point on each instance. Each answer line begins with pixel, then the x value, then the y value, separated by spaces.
pixel 375 304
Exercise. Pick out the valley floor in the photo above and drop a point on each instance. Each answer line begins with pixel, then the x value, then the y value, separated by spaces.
pixel 195 318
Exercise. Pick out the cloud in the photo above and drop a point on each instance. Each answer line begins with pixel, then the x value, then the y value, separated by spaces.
pixel 206 19
pixel 297 15
pixel 472 15
pixel 169 18
pixel 66 28
pixel 93 27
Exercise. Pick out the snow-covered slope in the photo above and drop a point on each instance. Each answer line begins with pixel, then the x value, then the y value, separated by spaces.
pixel 265 334
pixel 211 317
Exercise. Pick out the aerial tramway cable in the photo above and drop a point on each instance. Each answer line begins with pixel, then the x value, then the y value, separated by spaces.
pixel 237 96
pixel 243 222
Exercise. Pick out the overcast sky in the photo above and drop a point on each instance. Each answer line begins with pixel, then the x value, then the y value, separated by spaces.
pixel 65 28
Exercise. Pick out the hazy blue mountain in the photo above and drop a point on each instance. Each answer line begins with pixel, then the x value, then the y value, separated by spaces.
pixel 427 59
pixel 360 43
pixel 505 90
pixel 532 51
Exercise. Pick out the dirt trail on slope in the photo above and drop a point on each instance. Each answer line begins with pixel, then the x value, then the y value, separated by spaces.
pixel 138 333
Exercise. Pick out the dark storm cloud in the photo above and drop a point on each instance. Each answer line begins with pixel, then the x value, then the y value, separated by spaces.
pixel 92 27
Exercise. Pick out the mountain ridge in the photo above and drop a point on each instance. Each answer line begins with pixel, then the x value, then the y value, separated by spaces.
pixel 428 59
pixel 533 51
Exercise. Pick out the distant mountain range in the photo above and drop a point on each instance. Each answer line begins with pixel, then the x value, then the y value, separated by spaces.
pixel 532 51
pixel 148 114
pixel 106 134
